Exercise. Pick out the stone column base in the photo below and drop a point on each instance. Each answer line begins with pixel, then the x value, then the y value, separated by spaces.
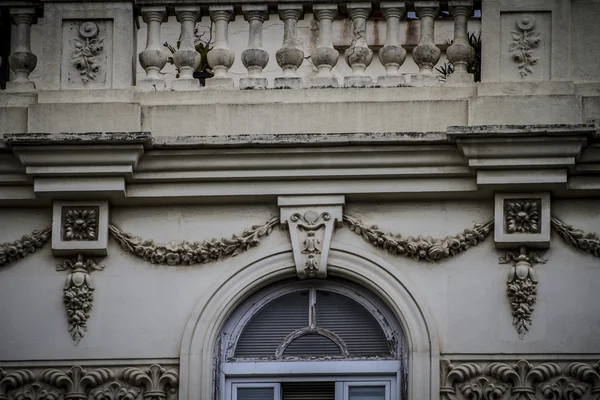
pixel 357 81
pixel 151 85
pixel 458 78
pixel 330 82
pixel 391 81
pixel 20 86
pixel 222 83
pixel 185 84
pixel 424 80
pixel 288 82
pixel 253 83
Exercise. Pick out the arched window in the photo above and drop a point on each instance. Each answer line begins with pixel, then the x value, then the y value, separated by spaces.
pixel 311 340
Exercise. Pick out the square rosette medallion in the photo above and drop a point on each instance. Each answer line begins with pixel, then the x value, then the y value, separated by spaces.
pixel 80 227
pixel 522 219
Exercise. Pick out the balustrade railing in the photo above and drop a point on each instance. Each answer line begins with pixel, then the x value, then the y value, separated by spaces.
pixel 324 55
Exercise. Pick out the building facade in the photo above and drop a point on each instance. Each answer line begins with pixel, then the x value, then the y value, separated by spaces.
pixel 202 200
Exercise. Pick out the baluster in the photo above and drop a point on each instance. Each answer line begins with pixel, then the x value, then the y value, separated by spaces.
pixel 392 55
pixel 22 61
pixel 154 57
pixel 186 58
pixel 289 57
pixel 324 57
pixel 427 54
pixel 221 57
pixel 359 55
pixel 255 58
pixel 461 54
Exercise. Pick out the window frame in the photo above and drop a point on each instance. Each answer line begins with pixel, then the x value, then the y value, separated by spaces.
pixel 236 323
pixel 342 384
pixel 235 386
pixel 230 370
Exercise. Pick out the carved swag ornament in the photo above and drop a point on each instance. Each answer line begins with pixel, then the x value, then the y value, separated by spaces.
pixel 10 252
pixel 420 248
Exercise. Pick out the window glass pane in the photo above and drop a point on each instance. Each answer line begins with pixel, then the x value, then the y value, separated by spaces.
pixel 267 329
pixel 354 324
pixel 312 345
pixel 308 390
pixel 366 393
pixel 255 393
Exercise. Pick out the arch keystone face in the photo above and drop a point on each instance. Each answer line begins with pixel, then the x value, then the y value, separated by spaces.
pixel 311 221
pixel 203 334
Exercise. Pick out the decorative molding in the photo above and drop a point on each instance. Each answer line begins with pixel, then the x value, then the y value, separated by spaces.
pixel 189 253
pixel 28 244
pixel 522 287
pixel 36 392
pixel 78 293
pixel 420 248
pixel 523 219
pixel 80 227
pixel 524 40
pixel 156 381
pixel 522 380
pixel 311 221
pixel 80 223
pixel 522 215
pixel 588 242
pixel 86 50
pixel 77 383
pixel 115 391
pixel 10 381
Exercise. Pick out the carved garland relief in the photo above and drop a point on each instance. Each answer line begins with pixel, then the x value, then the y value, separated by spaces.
pixel 79 224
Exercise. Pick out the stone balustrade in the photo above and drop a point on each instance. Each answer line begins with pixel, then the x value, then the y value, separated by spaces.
pixel 356 19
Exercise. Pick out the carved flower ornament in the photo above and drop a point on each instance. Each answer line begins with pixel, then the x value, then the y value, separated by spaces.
pixel 522 216
pixel 80 224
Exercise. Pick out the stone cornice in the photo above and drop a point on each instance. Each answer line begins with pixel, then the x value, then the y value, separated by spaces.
pixel 467 161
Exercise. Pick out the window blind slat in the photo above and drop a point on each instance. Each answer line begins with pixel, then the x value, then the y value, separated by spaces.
pixel 256 393
pixel 352 323
pixel 270 326
pixel 312 345
pixel 308 390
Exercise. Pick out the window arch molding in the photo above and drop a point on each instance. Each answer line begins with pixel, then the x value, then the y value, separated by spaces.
pixel 199 342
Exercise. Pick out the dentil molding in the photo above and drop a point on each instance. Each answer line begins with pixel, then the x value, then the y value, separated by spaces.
pixel 154 382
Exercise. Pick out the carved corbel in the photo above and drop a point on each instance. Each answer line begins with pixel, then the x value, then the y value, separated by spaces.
pixel 311 221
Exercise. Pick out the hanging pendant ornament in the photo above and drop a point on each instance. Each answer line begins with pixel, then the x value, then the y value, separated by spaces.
pixel 522 287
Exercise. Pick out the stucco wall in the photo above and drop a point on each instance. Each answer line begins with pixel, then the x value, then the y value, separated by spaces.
pixel 140 310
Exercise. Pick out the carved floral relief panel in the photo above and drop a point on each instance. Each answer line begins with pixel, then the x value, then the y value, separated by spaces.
pixel 87 54
pixel 525 43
